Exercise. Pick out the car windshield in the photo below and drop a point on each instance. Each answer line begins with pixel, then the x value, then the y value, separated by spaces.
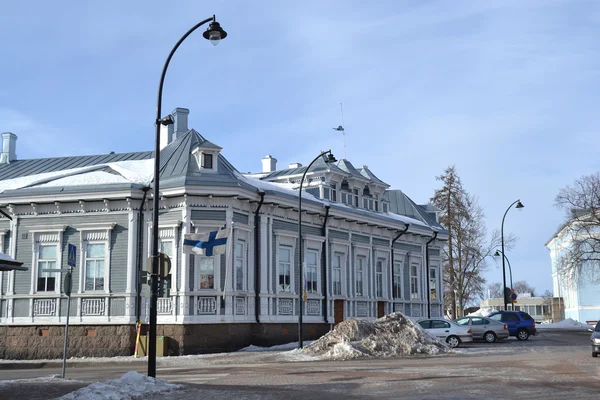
pixel 496 317
pixel 597 329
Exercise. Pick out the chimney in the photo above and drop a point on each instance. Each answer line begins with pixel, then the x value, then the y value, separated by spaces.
pixel 269 164
pixel 180 116
pixel 9 146
pixel 166 135
pixel 295 165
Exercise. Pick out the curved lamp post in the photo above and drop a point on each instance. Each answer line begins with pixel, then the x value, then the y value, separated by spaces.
pixel 497 254
pixel 330 159
pixel 519 205
pixel 214 33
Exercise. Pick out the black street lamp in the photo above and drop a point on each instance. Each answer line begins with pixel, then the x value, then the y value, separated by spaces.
pixel 519 205
pixel 214 33
pixel 497 254
pixel 330 159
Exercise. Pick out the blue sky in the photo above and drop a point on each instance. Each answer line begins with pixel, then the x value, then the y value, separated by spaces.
pixel 507 91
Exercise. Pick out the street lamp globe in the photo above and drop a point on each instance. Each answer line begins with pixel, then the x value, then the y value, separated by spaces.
pixel 214 33
pixel 519 205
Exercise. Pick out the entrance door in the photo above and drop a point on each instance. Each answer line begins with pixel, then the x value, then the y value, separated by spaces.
pixel 380 309
pixel 338 311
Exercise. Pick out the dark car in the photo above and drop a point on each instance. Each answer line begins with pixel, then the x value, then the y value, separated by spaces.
pixel 596 340
pixel 520 324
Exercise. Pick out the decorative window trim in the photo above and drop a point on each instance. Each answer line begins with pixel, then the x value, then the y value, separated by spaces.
pixel 286 234
pixel 86 235
pixel 40 235
pixel 106 226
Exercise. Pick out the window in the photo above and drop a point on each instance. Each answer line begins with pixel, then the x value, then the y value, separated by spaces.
pixel 538 310
pixel 207 161
pixel 285 269
pixel 46 260
pixel 360 270
pixel 397 280
pixel 433 283
pixel 462 321
pixel 337 274
pixel 437 324
pixel 480 321
pixel 206 272
pixel 379 278
pixel 95 255
pixel 311 272
pixel 385 207
pixel 425 324
pixel 166 247
pixel 414 282
pixel 239 264
pixel 333 195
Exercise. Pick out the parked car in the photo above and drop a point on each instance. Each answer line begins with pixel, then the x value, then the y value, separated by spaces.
pixel 448 331
pixel 484 328
pixel 520 324
pixel 596 340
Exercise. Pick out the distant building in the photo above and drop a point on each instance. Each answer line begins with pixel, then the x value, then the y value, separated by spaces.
pixel 364 249
pixel 581 292
pixel 540 308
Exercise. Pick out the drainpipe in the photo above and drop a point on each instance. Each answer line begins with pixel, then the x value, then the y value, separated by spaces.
pixel 392 269
pixel 427 267
pixel 140 245
pixel 257 258
pixel 324 263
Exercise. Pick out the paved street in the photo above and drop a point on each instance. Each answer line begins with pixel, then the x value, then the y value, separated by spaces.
pixel 554 364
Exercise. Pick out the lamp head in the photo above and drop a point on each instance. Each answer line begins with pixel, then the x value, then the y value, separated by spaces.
pixel 497 253
pixel 519 205
pixel 214 33
pixel 331 158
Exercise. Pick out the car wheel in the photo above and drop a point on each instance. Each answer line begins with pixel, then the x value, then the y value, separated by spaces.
pixel 594 354
pixel 522 334
pixel 453 341
pixel 489 337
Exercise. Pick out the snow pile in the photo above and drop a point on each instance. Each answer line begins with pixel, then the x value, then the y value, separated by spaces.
pixel 482 312
pixel 568 323
pixel 279 347
pixel 390 336
pixel 130 386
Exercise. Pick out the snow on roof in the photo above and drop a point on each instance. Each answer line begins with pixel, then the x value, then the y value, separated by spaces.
pixel 132 385
pixel 6 257
pixel 131 171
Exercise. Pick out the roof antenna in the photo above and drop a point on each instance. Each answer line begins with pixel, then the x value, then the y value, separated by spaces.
pixel 341 129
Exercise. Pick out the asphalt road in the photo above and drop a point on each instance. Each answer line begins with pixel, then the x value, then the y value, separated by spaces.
pixel 552 365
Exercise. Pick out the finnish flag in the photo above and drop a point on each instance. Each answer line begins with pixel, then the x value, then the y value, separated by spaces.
pixel 206 244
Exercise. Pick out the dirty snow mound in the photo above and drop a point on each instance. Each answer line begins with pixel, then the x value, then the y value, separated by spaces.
pixel 390 336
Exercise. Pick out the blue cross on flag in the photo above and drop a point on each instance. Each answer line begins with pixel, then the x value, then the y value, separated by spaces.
pixel 206 244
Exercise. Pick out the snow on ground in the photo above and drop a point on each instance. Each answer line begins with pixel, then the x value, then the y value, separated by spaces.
pixel 131 385
pixel 51 379
pixel 279 347
pixel 390 336
pixel 565 324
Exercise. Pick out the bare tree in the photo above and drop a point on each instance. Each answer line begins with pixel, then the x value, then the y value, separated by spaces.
pixel 522 287
pixel 467 247
pixel 495 290
pixel 581 202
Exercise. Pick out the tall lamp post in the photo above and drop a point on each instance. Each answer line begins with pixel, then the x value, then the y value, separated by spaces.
pixel 519 205
pixel 330 159
pixel 214 33
pixel 497 254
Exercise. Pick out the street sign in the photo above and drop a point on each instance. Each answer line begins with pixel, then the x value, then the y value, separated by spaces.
pixel 164 265
pixel 68 285
pixel 72 255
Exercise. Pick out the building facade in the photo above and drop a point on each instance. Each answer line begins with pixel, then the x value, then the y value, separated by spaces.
pixel 363 248
pixel 580 291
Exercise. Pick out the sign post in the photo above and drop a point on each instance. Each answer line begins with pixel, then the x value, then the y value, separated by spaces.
pixel 71 261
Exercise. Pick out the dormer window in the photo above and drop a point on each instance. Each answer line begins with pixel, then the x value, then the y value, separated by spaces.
pixel 207 161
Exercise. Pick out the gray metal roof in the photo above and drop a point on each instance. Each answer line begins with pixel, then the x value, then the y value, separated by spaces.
pixel 401 204
pixel 347 166
pixel 366 172
pixel 178 166
pixel 319 165
pixel 19 168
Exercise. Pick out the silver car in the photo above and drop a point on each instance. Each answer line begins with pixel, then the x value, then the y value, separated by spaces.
pixel 446 330
pixel 596 340
pixel 484 328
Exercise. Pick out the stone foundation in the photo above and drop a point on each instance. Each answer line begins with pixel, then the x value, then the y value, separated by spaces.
pixel 46 342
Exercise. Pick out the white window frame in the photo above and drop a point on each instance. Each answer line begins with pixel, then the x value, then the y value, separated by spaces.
pixel 290 263
pixel 244 265
pixel 361 273
pixel 288 240
pixel 379 277
pixel 399 276
pixel 94 233
pixel 341 269
pixel 199 155
pixel 434 285
pixel 55 275
pixel 341 248
pixel 46 235
pixel 201 228
pixel 84 250
pixel 415 281
pixel 316 268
